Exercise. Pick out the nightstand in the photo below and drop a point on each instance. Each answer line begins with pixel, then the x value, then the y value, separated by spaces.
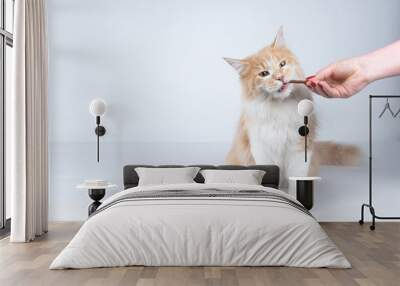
pixel 96 190
pixel 305 190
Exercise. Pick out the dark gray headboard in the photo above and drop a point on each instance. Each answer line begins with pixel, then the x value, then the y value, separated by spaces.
pixel 271 177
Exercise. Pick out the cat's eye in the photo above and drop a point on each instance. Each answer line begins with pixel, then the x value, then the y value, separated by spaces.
pixel 282 64
pixel 264 73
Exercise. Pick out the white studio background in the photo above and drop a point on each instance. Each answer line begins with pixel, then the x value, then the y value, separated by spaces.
pixel 172 99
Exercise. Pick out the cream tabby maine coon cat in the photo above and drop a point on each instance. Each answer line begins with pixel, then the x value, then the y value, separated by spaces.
pixel 269 123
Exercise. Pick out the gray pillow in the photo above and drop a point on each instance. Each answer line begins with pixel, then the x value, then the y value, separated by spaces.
pixel 165 176
pixel 248 177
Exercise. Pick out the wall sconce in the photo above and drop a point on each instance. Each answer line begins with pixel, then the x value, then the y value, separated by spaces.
pixel 305 108
pixel 97 108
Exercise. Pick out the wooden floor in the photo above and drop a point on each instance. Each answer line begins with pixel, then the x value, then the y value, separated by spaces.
pixel 375 257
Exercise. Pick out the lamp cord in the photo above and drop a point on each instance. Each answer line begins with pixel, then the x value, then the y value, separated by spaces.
pixel 305 137
pixel 98 136
pixel 98 145
pixel 305 147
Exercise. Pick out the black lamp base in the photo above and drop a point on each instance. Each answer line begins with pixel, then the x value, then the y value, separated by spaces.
pixel 96 195
pixel 305 193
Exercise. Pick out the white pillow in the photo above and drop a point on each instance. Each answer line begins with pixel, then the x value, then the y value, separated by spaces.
pixel 165 176
pixel 248 177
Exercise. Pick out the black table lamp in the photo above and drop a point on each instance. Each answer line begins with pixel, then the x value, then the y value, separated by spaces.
pixel 305 108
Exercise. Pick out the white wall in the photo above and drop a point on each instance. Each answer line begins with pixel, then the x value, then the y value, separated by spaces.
pixel 173 100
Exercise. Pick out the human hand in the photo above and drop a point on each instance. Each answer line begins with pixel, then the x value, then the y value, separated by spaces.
pixel 339 80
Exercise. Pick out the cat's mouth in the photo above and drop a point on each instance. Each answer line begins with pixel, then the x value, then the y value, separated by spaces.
pixel 283 87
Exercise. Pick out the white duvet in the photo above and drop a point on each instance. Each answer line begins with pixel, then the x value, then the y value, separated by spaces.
pixel 200 231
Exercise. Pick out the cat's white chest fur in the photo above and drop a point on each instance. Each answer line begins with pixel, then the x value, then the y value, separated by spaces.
pixel 273 131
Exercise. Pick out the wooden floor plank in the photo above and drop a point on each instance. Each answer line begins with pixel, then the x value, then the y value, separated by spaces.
pixel 375 257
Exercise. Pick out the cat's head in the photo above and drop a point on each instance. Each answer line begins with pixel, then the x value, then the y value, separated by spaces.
pixel 267 72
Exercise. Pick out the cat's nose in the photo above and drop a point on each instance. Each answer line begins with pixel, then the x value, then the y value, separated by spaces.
pixel 279 77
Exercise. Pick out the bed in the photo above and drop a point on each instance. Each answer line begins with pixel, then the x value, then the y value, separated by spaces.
pixel 198 224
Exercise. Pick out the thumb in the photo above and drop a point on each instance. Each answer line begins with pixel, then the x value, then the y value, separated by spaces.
pixel 324 74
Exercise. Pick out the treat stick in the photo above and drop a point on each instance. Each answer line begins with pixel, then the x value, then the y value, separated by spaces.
pixel 297 81
pixel 301 81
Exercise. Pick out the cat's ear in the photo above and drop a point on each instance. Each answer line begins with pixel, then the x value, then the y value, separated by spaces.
pixel 238 65
pixel 279 41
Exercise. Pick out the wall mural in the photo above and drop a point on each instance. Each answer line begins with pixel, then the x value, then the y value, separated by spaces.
pixel 269 122
pixel 172 100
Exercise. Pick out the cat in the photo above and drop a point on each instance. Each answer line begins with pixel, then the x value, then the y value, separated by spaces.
pixel 269 122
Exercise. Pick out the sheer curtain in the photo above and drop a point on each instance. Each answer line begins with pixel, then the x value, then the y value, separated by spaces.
pixel 27 123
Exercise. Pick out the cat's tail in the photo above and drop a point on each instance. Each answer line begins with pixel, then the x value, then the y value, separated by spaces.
pixel 331 153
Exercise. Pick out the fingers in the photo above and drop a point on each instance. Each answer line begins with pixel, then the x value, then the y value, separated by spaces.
pixel 329 81
pixel 313 84
pixel 319 90
pixel 324 89
pixel 319 87
pixel 328 90
pixel 310 82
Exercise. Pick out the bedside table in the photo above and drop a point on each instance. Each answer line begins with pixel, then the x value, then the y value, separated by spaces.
pixel 96 192
pixel 305 190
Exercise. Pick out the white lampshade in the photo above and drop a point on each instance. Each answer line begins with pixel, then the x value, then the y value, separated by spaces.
pixel 97 107
pixel 305 107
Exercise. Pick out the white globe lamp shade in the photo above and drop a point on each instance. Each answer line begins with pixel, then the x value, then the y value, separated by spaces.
pixel 305 107
pixel 97 107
